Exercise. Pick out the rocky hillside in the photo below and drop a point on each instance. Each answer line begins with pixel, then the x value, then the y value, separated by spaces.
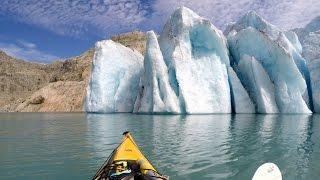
pixel 19 79
pixel 60 86
pixel 134 40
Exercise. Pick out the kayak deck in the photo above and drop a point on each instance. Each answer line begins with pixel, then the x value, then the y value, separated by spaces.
pixel 128 162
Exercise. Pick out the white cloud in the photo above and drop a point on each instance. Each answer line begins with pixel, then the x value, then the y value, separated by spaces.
pixel 104 17
pixel 26 44
pixel 74 18
pixel 27 51
pixel 285 14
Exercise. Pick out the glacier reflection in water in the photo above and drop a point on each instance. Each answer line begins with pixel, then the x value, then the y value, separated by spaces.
pixel 65 146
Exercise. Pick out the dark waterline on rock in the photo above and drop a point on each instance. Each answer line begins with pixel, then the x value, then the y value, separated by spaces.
pixel 224 146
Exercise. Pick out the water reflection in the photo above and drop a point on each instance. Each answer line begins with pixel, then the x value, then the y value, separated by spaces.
pixel 64 146
pixel 215 146
pixel 304 149
pixel 312 142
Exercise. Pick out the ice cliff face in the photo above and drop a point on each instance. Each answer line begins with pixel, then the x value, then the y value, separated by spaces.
pixel 240 100
pixel 310 39
pixel 155 93
pixel 115 75
pixel 285 69
pixel 193 68
pixel 187 71
pixel 258 83
pixel 196 55
pixel 312 54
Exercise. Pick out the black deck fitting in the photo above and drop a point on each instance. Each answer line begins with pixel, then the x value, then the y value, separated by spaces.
pixel 126 132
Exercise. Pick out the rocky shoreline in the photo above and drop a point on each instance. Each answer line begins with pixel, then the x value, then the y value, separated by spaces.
pixel 57 87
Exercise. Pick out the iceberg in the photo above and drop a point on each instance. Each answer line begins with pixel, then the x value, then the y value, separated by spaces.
pixel 197 58
pixel 299 61
pixel 312 54
pixel 315 84
pixel 311 27
pixel 294 40
pixel 287 40
pixel 261 88
pixel 191 67
pixel 155 93
pixel 240 100
pixel 287 70
pixel 114 80
pixel 253 20
pixel 310 38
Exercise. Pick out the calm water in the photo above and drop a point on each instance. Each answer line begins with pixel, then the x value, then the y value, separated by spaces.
pixel 70 146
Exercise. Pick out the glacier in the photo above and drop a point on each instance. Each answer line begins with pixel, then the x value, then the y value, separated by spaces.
pixel 196 55
pixel 312 54
pixel 192 67
pixel 286 39
pixel 253 20
pixel 259 84
pixel 155 93
pixel 240 100
pixel 310 40
pixel 294 40
pixel 115 75
pixel 254 37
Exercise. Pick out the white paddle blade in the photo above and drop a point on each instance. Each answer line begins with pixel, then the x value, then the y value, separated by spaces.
pixel 267 171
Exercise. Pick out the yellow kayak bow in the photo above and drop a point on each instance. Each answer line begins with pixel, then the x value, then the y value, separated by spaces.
pixel 128 162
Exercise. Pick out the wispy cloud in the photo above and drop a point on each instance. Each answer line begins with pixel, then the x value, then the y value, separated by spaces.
pixel 27 44
pixel 79 18
pixel 27 51
pixel 75 18
pixel 285 14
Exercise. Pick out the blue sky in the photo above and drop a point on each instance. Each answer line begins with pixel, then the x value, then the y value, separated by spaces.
pixel 46 30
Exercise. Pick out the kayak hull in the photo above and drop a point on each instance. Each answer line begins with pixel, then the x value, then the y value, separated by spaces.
pixel 128 162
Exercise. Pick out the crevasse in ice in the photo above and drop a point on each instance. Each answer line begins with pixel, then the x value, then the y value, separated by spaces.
pixel 240 100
